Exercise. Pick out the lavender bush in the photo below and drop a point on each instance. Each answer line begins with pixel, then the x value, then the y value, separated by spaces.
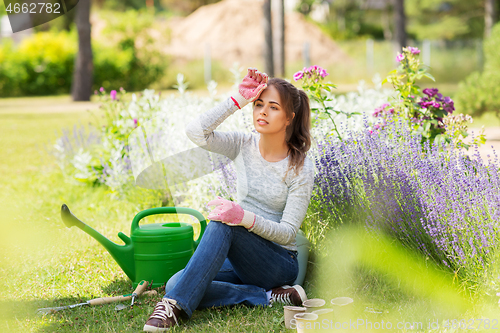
pixel 437 201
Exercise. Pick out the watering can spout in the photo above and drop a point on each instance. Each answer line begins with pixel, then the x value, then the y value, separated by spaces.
pixel 123 254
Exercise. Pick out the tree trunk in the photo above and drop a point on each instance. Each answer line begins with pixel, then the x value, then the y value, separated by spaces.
pixel 341 19
pixel 400 23
pixel 489 17
pixel 268 36
pixel 386 17
pixel 279 54
pixel 81 88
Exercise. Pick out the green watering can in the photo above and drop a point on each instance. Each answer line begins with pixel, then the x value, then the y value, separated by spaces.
pixel 153 252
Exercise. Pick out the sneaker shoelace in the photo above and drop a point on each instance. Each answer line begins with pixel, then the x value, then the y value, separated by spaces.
pixel 281 298
pixel 164 309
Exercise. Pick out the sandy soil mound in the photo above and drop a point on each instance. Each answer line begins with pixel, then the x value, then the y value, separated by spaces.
pixel 234 31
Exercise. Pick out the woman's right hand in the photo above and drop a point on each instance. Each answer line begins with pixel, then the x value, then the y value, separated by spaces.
pixel 250 88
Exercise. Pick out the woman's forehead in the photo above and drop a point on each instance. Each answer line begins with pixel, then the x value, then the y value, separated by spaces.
pixel 270 94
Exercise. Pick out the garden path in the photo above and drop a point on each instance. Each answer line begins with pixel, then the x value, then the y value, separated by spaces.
pixel 44 104
pixel 492 143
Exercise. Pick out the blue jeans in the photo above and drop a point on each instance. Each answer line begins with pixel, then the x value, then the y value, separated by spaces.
pixel 230 266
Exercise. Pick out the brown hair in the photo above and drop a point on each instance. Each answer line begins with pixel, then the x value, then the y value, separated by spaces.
pixel 298 136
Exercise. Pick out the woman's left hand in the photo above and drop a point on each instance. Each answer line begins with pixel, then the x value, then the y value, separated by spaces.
pixel 230 213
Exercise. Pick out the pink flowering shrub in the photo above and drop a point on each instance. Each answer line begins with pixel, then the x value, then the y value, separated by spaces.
pixel 312 83
pixel 424 111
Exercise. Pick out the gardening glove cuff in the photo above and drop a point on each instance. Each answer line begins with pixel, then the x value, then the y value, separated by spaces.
pixel 248 220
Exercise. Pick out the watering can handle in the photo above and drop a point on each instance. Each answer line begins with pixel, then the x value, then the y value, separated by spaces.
pixel 171 210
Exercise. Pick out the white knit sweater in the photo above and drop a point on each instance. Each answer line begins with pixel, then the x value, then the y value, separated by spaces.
pixel 280 206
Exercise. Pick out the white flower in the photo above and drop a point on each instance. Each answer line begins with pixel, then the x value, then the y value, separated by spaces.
pixel 81 162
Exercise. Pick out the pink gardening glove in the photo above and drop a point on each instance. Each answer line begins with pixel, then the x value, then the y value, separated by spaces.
pixel 251 87
pixel 230 213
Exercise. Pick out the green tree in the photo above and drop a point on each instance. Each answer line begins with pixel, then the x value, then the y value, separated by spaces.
pixel 479 92
pixel 425 19
pixel 437 19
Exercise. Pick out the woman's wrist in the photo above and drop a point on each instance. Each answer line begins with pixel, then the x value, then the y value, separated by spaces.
pixel 248 220
pixel 239 100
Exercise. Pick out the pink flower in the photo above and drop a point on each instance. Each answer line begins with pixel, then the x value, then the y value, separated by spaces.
pixel 413 50
pixel 313 68
pixel 112 94
pixel 95 92
pixel 380 109
pixel 299 75
pixel 400 57
pixel 102 89
pixel 135 122
pixel 323 73
pixel 121 89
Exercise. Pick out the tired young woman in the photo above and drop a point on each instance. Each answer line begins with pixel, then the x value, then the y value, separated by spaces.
pixel 248 253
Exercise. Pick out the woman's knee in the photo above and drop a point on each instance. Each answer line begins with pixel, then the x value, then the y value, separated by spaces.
pixel 173 281
pixel 217 226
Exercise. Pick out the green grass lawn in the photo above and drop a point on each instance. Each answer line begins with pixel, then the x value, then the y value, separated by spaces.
pixel 44 264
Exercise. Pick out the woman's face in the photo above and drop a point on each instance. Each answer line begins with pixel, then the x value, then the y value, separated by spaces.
pixel 269 107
